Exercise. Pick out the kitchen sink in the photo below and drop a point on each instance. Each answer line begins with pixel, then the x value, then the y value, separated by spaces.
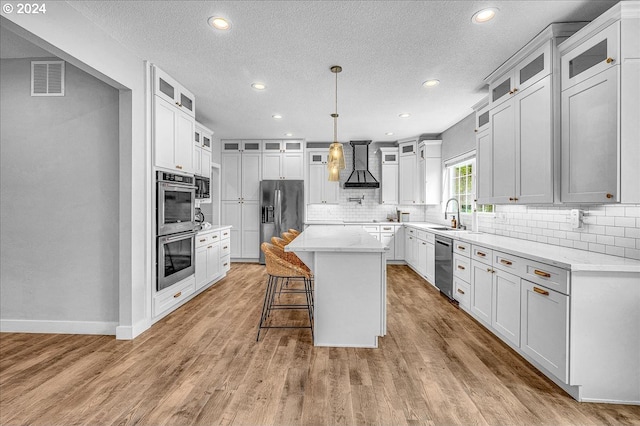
pixel 445 229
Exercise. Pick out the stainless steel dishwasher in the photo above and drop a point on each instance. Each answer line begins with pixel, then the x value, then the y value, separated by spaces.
pixel 444 265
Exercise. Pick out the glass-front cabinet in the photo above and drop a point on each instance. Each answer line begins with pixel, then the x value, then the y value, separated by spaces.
pixel 592 57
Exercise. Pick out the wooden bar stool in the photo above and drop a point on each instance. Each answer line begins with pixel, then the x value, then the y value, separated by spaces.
pixel 279 271
pixel 295 232
pixel 288 237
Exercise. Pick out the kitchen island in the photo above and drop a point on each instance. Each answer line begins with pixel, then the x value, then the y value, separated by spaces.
pixel 350 284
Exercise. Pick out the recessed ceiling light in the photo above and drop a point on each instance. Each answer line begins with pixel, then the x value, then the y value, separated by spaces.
pixel 219 23
pixel 431 83
pixel 484 15
pixel 389 133
pixel 276 116
pixel 404 115
pixel 259 86
pixel 288 134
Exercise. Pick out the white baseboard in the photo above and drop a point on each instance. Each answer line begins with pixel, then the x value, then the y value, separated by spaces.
pixel 58 327
pixel 128 332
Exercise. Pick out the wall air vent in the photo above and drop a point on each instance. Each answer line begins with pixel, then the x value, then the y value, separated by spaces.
pixel 47 78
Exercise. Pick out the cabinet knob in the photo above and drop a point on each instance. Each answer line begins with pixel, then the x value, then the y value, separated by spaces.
pixel 609 195
pixel 475 130
pixel 179 104
pixel 609 60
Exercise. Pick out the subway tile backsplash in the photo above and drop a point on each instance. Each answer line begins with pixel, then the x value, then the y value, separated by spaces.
pixel 611 229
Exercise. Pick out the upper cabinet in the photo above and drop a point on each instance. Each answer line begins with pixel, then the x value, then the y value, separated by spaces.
pixel 389 167
pixel 518 131
pixel 600 109
pixel 320 189
pixel 202 150
pixel 173 92
pixel 173 125
pixel 419 173
pixel 282 159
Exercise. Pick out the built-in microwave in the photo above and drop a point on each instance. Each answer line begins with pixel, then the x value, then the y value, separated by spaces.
pixel 176 203
pixel 176 258
pixel 203 188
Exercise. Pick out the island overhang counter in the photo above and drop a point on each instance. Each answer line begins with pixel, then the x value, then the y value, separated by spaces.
pixel 350 284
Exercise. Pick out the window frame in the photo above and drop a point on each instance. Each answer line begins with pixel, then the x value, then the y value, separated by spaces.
pixel 468 159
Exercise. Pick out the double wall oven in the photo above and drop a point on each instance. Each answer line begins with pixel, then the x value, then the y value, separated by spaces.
pixel 176 228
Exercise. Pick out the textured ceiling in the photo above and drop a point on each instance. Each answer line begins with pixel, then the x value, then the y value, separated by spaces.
pixel 386 48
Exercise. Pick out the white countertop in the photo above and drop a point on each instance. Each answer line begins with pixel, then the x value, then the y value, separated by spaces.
pixel 565 257
pixel 335 238
pixel 349 222
pixel 213 228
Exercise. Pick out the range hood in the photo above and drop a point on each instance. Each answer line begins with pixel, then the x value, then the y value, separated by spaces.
pixel 361 177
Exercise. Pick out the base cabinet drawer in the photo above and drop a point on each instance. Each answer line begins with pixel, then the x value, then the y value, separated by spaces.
pixel 173 295
pixel 461 267
pixel 225 263
pixel 545 328
pixel 461 292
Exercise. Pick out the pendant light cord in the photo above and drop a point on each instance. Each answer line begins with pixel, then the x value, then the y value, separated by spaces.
pixel 335 118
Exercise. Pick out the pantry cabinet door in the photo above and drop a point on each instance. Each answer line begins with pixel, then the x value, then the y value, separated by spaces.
pixel 231 176
pixel 251 176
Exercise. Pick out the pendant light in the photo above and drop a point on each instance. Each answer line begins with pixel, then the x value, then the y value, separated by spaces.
pixel 335 162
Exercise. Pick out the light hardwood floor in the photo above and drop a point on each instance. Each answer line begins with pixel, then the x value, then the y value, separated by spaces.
pixel 201 365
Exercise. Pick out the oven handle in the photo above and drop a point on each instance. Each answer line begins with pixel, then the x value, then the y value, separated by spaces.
pixel 177 186
pixel 178 237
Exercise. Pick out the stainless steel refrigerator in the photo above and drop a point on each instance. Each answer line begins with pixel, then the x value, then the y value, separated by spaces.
pixel 281 207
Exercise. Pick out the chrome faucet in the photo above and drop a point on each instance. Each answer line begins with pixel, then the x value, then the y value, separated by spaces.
pixel 458 211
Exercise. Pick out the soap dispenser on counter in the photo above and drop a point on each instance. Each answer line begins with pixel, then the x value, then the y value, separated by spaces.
pixel 454 223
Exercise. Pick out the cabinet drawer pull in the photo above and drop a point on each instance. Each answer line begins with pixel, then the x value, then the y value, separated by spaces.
pixel 609 60
pixel 541 291
pixel 460 291
pixel 178 294
pixel 179 167
pixel 214 236
pixel 506 262
pixel 542 273
pixel 481 254
pixel 462 248
pixel 209 246
pixel 461 267
pixel 225 264
pixel 225 247
pixel 386 229
pixel 226 233
pixel 203 240
pixel 424 244
pixel 490 270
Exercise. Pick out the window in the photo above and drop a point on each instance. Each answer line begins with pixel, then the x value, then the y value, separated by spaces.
pixel 462 186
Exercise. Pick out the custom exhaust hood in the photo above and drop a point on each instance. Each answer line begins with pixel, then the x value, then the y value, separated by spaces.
pixel 361 177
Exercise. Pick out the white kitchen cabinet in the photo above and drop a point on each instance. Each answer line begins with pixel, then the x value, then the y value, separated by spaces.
pixel 389 172
pixel 282 160
pixel 388 239
pixel 518 156
pixel 430 171
pixel 399 242
pixel 320 189
pixel 408 172
pixel 545 328
pixel 207 259
pixel 590 115
pixel 419 172
pixel 241 175
pixel 431 263
pixel 481 291
pixel 172 134
pixel 410 247
pixel 172 92
pixel 202 151
pixel 422 257
pixel 600 109
pixel 505 315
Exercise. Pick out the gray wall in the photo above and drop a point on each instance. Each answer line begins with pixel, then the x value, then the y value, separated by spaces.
pixel 459 138
pixel 59 199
